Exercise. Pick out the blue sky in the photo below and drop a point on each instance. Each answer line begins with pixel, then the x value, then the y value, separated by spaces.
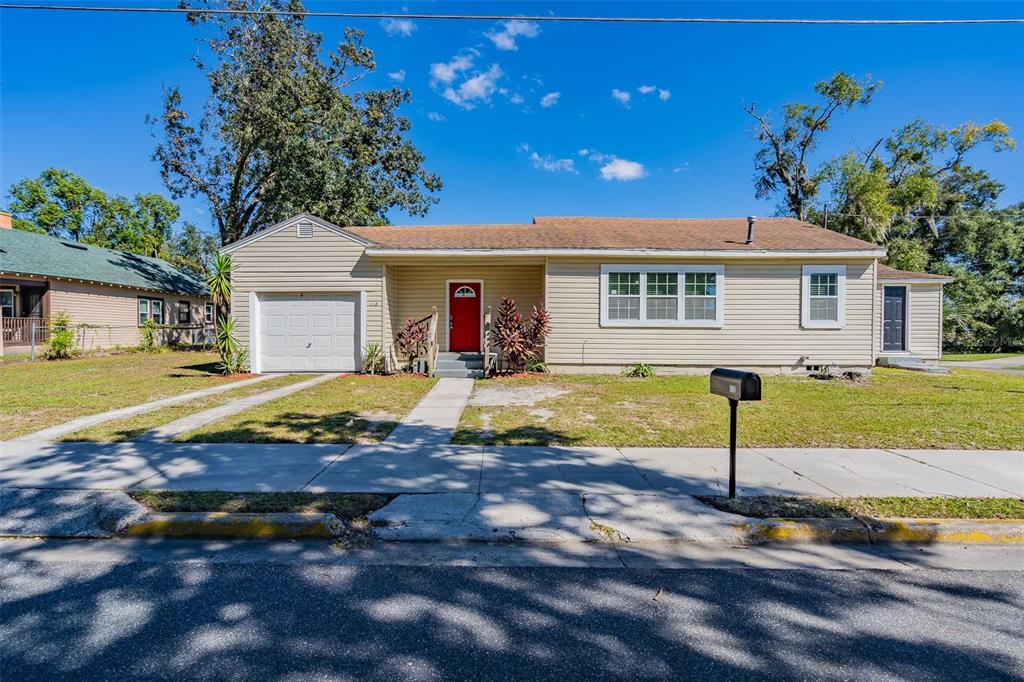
pixel 658 108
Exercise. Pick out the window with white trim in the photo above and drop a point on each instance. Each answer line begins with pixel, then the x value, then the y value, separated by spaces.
pixel 7 302
pixel 208 313
pixel 823 293
pixel 661 295
pixel 151 309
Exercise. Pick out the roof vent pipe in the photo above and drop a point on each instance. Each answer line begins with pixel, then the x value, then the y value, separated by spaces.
pixel 750 228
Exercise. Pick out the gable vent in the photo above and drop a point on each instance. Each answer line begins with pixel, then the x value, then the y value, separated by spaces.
pixel 304 230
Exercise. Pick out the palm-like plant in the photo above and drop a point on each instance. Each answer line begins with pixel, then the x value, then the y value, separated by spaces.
pixel 219 283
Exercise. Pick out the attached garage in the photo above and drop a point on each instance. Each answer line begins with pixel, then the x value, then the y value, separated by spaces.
pixel 309 332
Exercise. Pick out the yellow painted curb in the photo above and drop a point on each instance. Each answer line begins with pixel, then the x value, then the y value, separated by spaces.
pixel 960 531
pixel 805 530
pixel 873 530
pixel 230 525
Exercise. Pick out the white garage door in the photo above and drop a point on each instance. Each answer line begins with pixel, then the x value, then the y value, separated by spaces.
pixel 311 333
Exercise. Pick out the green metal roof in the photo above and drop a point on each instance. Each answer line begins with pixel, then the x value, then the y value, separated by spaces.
pixel 30 253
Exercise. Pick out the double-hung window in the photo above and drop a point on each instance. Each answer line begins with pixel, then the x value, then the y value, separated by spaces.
pixel 7 302
pixel 823 297
pixel 184 312
pixel 151 309
pixel 662 295
pixel 208 313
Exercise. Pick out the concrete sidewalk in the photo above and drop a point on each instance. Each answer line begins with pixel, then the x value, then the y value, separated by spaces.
pixel 510 470
pixel 1011 365
pixel 434 419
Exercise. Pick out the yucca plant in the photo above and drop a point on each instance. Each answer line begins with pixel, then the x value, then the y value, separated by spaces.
pixel 373 358
pixel 220 285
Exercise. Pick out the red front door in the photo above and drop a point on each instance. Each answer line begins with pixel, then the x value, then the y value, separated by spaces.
pixel 464 316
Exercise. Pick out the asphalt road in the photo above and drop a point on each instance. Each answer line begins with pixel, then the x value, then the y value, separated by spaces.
pixel 259 619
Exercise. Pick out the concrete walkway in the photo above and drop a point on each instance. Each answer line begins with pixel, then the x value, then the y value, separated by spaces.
pixel 74 425
pixel 1009 365
pixel 510 470
pixel 433 420
pixel 191 422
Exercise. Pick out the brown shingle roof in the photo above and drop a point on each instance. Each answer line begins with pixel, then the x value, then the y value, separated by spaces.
pixel 885 272
pixel 690 234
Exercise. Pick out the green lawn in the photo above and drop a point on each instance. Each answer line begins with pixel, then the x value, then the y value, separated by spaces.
pixel 349 409
pixel 133 427
pixel 894 408
pixel 35 395
pixel 770 506
pixel 972 357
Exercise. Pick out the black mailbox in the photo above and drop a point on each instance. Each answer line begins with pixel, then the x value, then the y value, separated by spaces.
pixel 736 384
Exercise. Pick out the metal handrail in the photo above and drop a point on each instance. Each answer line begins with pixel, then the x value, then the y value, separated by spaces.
pixel 487 341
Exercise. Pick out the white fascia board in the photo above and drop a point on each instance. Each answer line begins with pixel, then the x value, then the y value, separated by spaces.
pixel 637 253
pixel 944 280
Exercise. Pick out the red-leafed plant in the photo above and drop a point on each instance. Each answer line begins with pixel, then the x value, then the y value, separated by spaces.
pixel 412 340
pixel 518 342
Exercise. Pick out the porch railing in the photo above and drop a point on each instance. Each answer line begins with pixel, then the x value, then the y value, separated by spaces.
pixel 17 331
pixel 429 358
pixel 487 341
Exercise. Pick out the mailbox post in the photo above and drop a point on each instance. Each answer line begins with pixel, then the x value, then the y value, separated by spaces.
pixel 736 385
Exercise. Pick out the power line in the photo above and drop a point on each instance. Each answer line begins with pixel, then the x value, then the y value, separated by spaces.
pixel 509 17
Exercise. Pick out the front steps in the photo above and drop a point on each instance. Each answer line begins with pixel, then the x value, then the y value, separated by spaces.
pixel 910 362
pixel 460 365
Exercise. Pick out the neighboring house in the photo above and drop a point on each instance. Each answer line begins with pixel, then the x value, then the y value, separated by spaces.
pixel 683 295
pixel 109 293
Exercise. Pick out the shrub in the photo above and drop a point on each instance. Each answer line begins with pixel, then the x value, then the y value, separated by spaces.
pixel 519 343
pixel 235 363
pixel 148 341
pixel 412 340
pixel 640 370
pixel 233 360
pixel 62 338
pixel 537 367
pixel 373 358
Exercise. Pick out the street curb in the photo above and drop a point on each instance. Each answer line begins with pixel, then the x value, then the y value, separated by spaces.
pixel 237 525
pixel 868 530
pixel 861 530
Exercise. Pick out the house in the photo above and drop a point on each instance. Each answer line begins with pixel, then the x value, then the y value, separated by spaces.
pixel 776 294
pixel 109 294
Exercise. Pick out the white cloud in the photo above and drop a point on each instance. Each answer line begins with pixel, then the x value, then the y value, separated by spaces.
pixel 516 99
pixel 583 152
pixel 434 116
pixel 446 72
pixel 550 99
pixel 550 164
pixel 397 76
pixel 398 27
pixel 663 95
pixel 505 39
pixel 623 170
pixel 476 89
pixel 621 96
pixel 683 168
pixel 646 89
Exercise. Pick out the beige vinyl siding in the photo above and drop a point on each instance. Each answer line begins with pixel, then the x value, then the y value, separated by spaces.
pixel 925 303
pixel 761 321
pixel 111 313
pixel 389 314
pixel 420 287
pixel 324 263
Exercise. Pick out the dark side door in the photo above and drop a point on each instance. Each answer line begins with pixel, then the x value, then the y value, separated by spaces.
pixel 894 319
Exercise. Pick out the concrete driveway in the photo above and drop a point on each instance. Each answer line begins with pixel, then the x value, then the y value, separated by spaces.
pixel 509 470
pixel 1009 365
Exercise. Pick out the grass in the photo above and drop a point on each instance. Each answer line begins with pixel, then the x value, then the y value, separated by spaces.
pixel 346 506
pixel 768 506
pixel 133 427
pixel 971 357
pixel 35 395
pixel 894 408
pixel 349 409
